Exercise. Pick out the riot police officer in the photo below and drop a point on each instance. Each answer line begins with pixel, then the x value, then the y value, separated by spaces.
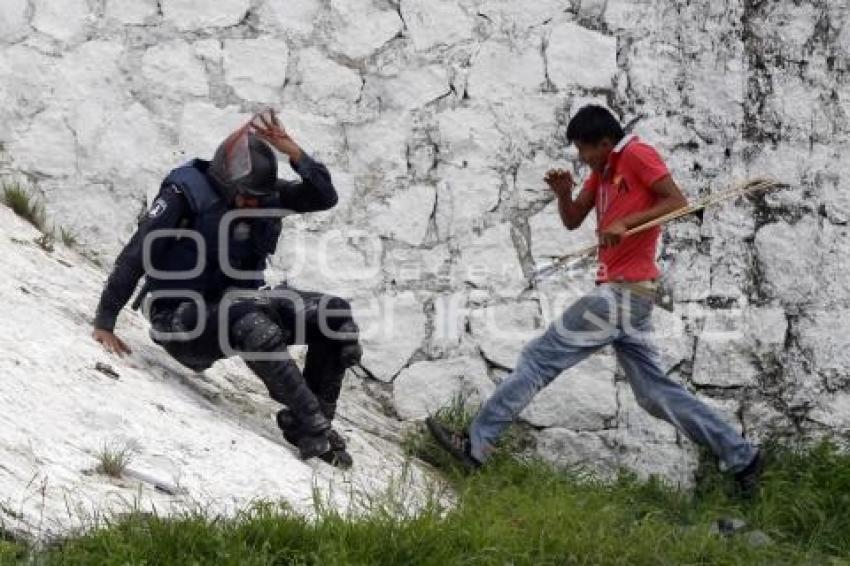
pixel 190 280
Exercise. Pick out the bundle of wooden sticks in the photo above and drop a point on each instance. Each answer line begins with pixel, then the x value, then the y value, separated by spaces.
pixel 747 187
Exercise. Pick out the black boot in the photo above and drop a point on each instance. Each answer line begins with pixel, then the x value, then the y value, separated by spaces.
pixel 339 457
pixel 324 372
pixel 455 443
pixel 336 455
pixel 256 332
pixel 341 454
pixel 287 423
pixel 314 445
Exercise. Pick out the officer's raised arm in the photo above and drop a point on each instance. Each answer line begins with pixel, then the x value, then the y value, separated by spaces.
pixel 315 192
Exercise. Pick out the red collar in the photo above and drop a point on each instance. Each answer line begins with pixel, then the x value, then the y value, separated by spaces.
pixel 615 154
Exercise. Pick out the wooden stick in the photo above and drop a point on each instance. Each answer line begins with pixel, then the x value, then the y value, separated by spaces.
pixel 750 186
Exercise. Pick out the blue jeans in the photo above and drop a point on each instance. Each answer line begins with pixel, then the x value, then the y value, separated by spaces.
pixel 608 315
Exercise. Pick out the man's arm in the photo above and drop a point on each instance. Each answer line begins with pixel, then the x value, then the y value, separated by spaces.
pixel 669 198
pixel 165 213
pixel 315 191
pixel 572 212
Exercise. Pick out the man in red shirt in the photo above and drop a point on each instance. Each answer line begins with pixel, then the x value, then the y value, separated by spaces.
pixel 628 186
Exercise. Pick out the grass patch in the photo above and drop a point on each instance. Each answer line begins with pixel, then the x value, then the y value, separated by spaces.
pixel 69 239
pixel 114 457
pixel 516 512
pixel 418 443
pixel 458 415
pixel 11 552
pixel 24 204
pixel 29 207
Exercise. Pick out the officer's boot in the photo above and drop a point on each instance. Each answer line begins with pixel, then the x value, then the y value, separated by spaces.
pixel 256 333
pixel 337 455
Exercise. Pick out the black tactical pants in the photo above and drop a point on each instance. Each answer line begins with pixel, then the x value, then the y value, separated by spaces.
pixel 264 325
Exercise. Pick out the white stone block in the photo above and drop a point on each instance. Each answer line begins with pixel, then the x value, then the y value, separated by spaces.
pixel 297 17
pixel 361 28
pixel 512 16
pixel 393 328
pixel 551 239
pixel 431 23
pixel 502 331
pixel 13 19
pixel 407 214
pixel 593 452
pixel 789 257
pixel 62 19
pixel 204 126
pixel 131 12
pixel 723 357
pixel 48 147
pixel 500 71
pixel 175 68
pixel 581 398
pixel 581 57
pixel 823 334
pixel 425 387
pixel 334 88
pixel 189 15
pixel 489 261
pixel 469 134
pixel 256 68
pixel 378 149
pixel 415 87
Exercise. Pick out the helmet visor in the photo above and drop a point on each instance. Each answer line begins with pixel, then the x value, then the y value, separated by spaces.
pixel 236 164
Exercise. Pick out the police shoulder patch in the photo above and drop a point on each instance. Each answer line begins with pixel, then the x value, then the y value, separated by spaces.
pixel 157 208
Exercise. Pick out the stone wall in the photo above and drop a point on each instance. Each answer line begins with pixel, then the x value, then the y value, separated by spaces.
pixel 438 119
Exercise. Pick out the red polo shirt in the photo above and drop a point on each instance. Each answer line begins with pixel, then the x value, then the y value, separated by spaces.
pixel 624 188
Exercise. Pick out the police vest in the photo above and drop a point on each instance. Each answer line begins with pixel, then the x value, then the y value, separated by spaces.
pixel 249 243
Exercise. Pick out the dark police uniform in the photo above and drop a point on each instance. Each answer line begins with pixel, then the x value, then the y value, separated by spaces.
pixel 189 200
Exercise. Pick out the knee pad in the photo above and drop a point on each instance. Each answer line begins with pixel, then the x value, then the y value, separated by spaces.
pixel 256 332
pixel 185 317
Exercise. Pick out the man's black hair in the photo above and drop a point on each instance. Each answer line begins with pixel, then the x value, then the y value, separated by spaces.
pixel 592 124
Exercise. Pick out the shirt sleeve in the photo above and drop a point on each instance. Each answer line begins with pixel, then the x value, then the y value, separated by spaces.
pixel 646 164
pixel 315 192
pixel 591 184
pixel 165 213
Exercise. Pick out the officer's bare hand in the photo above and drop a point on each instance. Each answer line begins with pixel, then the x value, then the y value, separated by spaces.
pixel 560 181
pixel 112 343
pixel 267 127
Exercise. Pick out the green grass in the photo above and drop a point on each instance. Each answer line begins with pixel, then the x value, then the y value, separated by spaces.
pixel 29 207
pixel 458 415
pixel 114 457
pixel 68 237
pixel 24 204
pixel 11 553
pixel 514 512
